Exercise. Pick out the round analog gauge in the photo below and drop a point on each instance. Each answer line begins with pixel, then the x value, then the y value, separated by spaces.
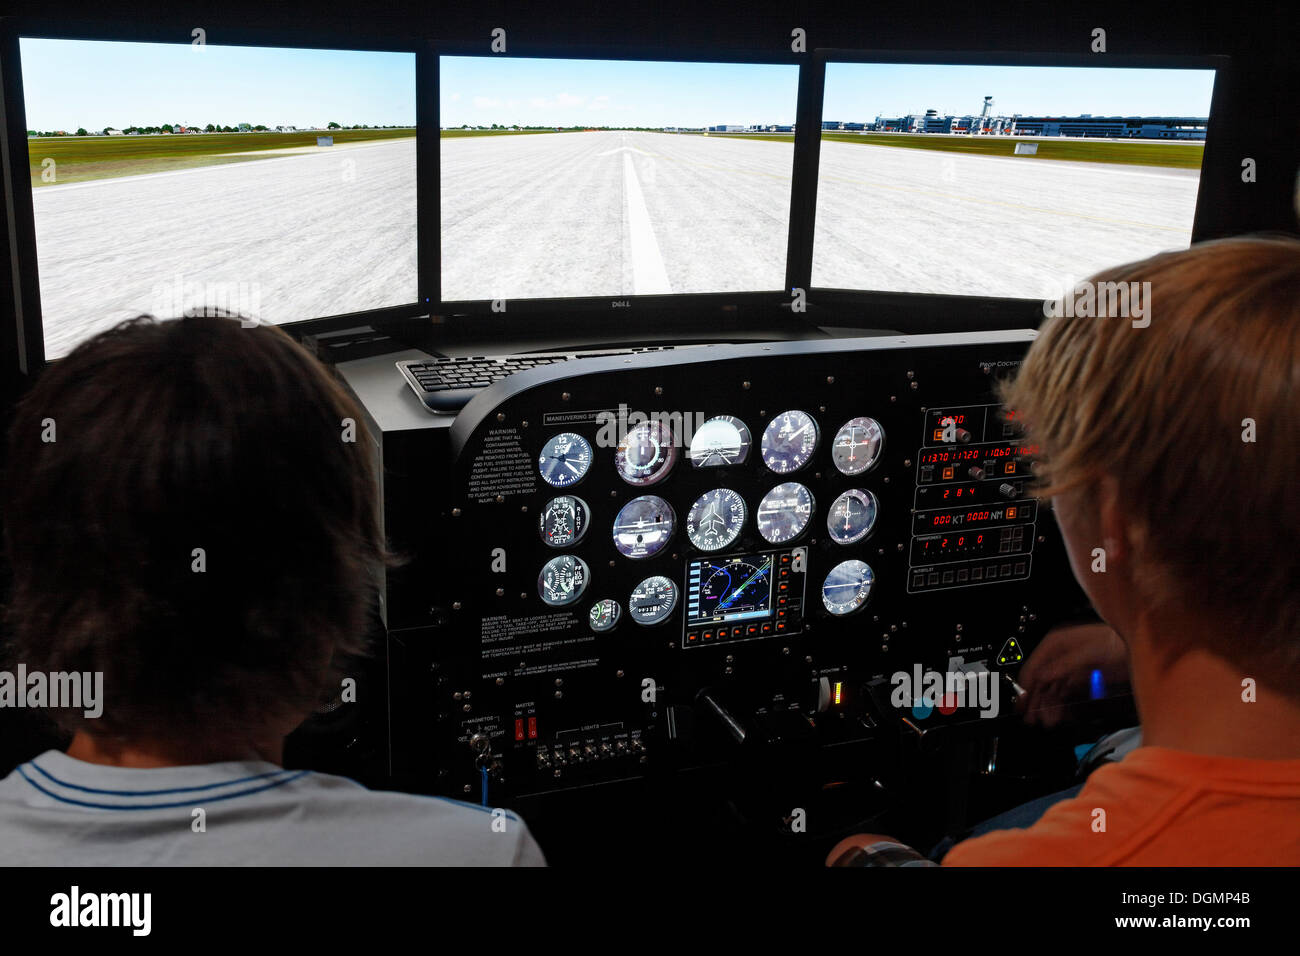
pixel 643 526
pixel 604 615
pixel 653 600
pixel 647 453
pixel 722 440
pixel 715 520
pixel 784 512
pixel 563 580
pixel 857 445
pixel 852 516
pixel 789 441
pixel 847 587
pixel 565 460
pixel 564 521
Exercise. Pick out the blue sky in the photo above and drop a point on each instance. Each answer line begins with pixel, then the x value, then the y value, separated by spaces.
pixel 863 91
pixel 484 90
pixel 95 83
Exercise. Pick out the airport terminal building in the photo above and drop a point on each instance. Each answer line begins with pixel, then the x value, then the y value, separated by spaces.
pixel 1107 127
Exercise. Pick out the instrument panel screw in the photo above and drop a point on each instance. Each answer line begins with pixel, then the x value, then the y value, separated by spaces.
pixel 613 494
pixel 898 547
pixel 467 707
pixel 455 605
pixel 618 673
pixel 907 463
pixel 893 629
pixel 959 627
pixel 524 423
pixel 565 396
pixel 501 592
pixel 914 386
pixel 457 695
pixel 523 508
pixel 885 648
pixel 893 398
pixel 785 650
pixel 611 564
pixel 727 670
pixel 659 389
pixel 886 479
pixel 501 499
pixel 822 409
pixel 523 595
pixel 455 512
pixel 830 379
pixel 501 681
pixel 501 416
pixel 1041 539
pixel 559 694
pixel 465 789
pixel 808 659
pixel 744 385
pixel 876 617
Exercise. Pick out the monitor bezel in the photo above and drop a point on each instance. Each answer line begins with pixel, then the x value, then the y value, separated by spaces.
pixel 459 311
pixel 18 188
pixel 936 311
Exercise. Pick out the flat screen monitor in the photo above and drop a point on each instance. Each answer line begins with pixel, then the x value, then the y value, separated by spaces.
pixel 604 179
pixel 172 178
pixel 1004 181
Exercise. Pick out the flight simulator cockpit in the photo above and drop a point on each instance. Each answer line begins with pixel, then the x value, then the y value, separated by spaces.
pixel 682 385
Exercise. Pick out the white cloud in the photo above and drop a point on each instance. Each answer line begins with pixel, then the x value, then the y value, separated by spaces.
pixel 486 102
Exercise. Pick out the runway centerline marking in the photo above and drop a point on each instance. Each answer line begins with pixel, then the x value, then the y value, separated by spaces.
pixel 648 274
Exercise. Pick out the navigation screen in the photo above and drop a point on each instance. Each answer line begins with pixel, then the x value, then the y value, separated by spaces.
pixel 722 590
pixel 584 178
pixel 175 179
pixel 1003 181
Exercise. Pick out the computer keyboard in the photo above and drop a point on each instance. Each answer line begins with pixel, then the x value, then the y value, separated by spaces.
pixel 445 385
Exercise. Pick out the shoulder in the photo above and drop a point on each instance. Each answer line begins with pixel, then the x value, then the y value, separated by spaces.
pixel 387 827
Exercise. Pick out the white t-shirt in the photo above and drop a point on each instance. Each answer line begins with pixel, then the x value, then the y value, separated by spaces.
pixel 59 811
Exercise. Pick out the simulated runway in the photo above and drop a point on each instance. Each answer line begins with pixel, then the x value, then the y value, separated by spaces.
pixel 913 220
pixel 315 234
pixel 611 214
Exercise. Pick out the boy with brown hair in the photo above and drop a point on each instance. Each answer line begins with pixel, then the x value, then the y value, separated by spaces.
pixel 1170 451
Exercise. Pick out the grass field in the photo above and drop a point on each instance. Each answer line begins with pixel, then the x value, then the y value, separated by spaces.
pixel 1134 153
pixel 82 158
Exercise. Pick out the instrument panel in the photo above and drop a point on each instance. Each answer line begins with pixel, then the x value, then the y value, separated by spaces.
pixel 664 556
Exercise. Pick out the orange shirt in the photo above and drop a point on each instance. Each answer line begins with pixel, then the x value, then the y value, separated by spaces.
pixel 1161 808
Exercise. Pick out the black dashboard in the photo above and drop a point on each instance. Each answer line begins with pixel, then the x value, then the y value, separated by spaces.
pixel 632 568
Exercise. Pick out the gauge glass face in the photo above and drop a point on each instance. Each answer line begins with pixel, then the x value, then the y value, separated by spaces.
pixel 564 521
pixel 643 526
pixel 604 615
pixel 722 440
pixel 847 587
pixel 646 454
pixel 653 600
pixel 852 516
pixel 716 519
pixel 784 512
pixel 562 580
pixel 789 442
pixel 564 460
pixel 857 445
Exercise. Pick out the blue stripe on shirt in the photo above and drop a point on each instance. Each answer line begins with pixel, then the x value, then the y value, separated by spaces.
pixel 159 806
pixel 151 793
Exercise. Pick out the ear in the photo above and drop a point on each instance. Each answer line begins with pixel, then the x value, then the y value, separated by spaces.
pixel 1116 528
